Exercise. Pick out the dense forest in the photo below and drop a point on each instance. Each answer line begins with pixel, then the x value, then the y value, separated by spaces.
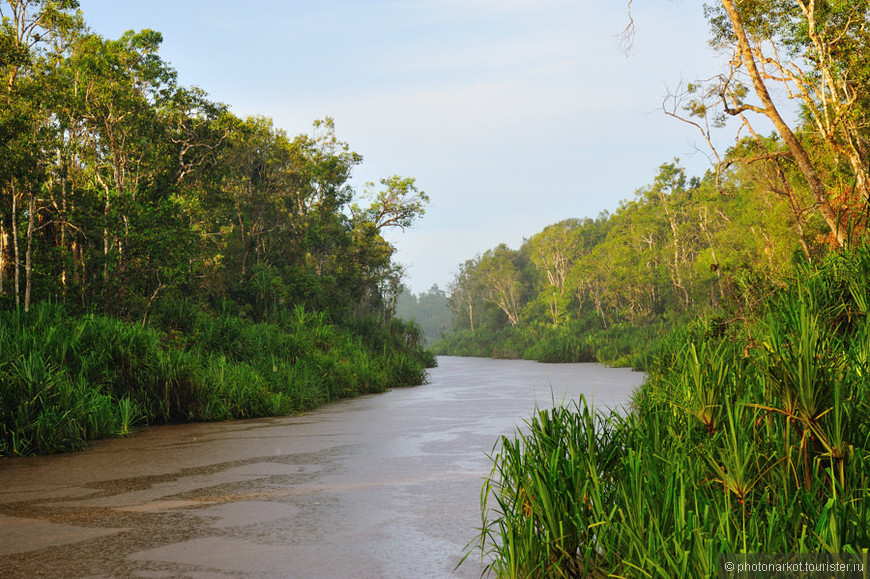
pixel 744 295
pixel 162 259
pixel 429 310
pixel 593 289
pixel 598 289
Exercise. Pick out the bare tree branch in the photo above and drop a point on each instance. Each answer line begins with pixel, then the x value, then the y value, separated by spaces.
pixel 625 39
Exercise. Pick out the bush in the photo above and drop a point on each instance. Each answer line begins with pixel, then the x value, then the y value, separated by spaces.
pixel 748 438
pixel 65 380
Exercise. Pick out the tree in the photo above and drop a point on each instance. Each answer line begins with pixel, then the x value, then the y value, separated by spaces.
pixel 817 54
pixel 773 175
pixel 399 204
pixel 119 187
pixel 28 28
pixel 463 291
pixel 429 310
pixel 553 251
pixel 669 192
pixel 500 281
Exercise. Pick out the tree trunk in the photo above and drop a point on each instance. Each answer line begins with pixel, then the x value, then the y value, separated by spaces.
pixel 771 112
pixel 244 237
pixel 28 253
pixel 2 254
pixel 106 238
pixel 703 221
pixel 676 276
pixel 15 259
pixel 63 184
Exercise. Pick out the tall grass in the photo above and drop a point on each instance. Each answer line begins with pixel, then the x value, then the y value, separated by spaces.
pixel 754 439
pixel 66 380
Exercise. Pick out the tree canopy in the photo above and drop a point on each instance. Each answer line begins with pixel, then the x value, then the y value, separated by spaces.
pixel 687 244
pixel 120 187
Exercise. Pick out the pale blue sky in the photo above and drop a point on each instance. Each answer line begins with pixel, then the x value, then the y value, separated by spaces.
pixel 511 114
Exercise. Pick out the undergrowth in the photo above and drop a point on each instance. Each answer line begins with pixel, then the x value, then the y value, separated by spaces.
pixel 749 436
pixel 617 345
pixel 66 380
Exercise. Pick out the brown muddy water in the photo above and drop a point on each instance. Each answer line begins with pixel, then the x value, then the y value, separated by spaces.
pixel 386 485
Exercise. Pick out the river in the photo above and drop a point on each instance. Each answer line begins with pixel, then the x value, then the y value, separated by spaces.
pixel 386 485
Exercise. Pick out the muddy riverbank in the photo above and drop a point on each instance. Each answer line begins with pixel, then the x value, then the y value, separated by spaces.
pixel 381 486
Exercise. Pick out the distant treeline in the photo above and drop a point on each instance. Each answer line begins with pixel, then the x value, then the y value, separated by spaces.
pixel 684 245
pixel 428 310
pixel 602 289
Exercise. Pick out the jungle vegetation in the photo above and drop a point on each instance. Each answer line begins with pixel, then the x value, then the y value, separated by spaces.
pixel 163 260
pixel 743 293
pixel 582 289
pixel 428 310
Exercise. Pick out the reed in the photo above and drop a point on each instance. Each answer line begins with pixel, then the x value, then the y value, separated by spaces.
pixel 750 440
pixel 66 380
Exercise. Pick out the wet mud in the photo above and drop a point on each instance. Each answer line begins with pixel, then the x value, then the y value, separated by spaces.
pixel 386 485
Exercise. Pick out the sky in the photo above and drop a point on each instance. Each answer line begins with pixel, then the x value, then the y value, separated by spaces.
pixel 510 114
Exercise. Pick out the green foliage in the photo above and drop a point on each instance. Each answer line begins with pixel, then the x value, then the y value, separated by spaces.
pixel 542 490
pixel 121 188
pixel 606 289
pixel 129 199
pixel 65 380
pixel 577 341
pixel 747 437
pixel 429 310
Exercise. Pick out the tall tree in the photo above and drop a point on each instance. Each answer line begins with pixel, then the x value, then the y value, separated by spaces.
pixel 500 279
pixel 464 296
pixel 669 192
pixel 553 251
pixel 29 29
pixel 816 54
